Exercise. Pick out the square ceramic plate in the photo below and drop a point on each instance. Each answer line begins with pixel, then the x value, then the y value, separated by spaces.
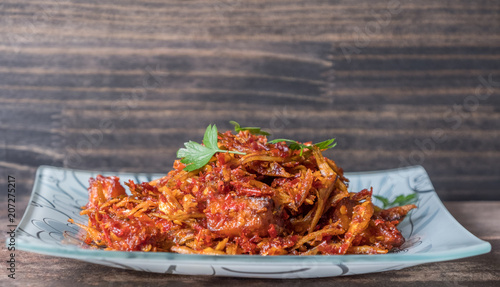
pixel 431 233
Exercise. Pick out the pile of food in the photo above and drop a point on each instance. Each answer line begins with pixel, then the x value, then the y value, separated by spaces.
pixel 241 194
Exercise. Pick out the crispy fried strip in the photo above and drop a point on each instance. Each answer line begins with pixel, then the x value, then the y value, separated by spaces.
pixel 180 217
pixel 94 234
pixel 260 157
pixel 323 195
pixel 187 250
pixel 145 205
pixel 304 188
pixel 300 224
pixel 222 244
pixel 183 250
pixel 318 234
pixel 366 249
pixel 360 220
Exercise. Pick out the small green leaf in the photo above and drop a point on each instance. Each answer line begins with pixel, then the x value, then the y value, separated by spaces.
pixel 404 200
pixel 384 200
pixel 400 200
pixel 210 137
pixel 236 125
pixel 252 130
pixel 195 155
pixel 283 140
pixel 295 145
pixel 326 144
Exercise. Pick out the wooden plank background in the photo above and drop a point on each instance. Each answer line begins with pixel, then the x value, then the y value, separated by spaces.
pixel 122 84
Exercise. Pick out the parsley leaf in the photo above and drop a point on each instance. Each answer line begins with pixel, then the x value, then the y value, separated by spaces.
pixel 400 200
pixel 196 155
pixel 295 145
pixel 326 144
pixel 252 130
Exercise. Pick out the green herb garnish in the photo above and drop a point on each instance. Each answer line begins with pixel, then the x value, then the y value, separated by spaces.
pixel 252 130
pixel 400 200
pixel 196 155
pixel 295 145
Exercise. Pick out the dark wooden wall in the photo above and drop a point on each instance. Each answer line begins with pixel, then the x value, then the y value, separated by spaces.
pixel 122 84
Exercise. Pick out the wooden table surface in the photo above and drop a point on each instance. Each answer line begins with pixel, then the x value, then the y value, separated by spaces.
pixel 480 218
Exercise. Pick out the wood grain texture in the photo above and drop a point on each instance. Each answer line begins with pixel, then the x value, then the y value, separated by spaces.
pixel 478 217
pixel 121 85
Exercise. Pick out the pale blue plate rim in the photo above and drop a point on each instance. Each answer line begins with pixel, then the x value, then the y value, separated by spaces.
pixel 75 252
